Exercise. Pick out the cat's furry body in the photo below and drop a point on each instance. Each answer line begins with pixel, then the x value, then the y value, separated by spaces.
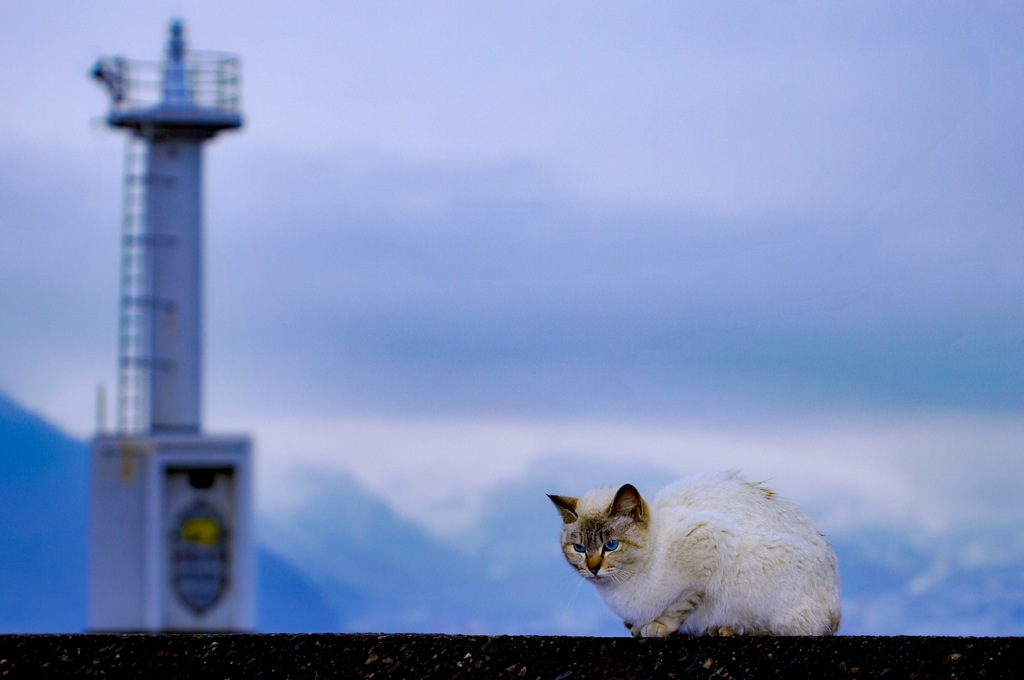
pixel 711 554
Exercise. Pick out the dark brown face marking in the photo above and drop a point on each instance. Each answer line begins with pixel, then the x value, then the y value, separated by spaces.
pixel 593 534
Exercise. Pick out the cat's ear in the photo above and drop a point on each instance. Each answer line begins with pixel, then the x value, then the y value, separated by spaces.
pixel 566 507
pixel 628 503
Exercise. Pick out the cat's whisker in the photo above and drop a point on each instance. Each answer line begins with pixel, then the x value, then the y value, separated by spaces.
pixel 576 591
pixel 573 592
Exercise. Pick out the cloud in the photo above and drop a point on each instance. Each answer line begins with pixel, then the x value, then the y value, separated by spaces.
pixel 745 206
pixel 58 277
pixel 494 289
pixel 936 471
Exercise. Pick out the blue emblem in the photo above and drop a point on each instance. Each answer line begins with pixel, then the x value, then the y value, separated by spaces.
pixel 199 557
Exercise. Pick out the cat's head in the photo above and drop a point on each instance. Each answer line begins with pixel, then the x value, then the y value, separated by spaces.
pixel 605 531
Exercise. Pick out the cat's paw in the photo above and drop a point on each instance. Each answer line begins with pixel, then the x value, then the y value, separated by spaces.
pixel 724 631
pixel 654 629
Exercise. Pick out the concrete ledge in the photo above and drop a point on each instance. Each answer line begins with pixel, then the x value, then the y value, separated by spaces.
pixel 515 658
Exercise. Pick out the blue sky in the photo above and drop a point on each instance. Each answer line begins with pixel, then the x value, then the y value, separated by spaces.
pixel 456 238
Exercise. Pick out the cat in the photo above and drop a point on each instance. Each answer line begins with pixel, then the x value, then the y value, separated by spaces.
pixel 712 554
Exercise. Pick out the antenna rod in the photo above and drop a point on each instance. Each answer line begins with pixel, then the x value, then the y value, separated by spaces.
pixel 176 87
pixel 101 409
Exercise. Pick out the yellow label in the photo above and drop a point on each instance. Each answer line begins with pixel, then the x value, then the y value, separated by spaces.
pixel 202 530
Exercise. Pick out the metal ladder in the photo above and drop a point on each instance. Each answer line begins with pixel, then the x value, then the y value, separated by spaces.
pixel 135 309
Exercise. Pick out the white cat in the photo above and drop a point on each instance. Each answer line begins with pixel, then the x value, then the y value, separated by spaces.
pixel 712 554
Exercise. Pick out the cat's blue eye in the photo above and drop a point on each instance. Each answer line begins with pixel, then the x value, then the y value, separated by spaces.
pixel 611 545
pixel 579 548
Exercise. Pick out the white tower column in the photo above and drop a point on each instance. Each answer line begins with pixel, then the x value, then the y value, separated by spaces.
pixel 174 233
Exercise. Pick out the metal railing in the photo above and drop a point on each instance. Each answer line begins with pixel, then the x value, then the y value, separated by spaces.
pixel 212 80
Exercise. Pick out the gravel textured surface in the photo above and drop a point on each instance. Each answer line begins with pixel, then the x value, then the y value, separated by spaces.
pixel 513 657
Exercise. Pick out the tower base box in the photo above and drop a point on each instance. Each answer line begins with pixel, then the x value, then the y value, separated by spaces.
pixel 170 545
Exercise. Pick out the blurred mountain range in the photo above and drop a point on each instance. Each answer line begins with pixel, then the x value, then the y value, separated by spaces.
pixel 43 533
pixel 344 561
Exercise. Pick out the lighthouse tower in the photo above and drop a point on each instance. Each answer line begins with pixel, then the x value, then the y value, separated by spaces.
pixel 170 510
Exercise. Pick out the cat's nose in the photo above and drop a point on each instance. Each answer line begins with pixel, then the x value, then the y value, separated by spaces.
pixel 594 564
